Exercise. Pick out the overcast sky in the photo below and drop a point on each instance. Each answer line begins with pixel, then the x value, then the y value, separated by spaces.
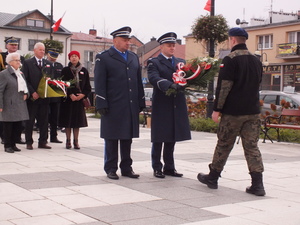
pixel 147 18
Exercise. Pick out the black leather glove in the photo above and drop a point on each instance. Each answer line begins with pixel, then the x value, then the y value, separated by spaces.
pixel 175 86
pixel 103 111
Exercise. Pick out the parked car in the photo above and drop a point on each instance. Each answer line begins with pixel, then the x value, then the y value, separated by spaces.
pixel 275 97
pixel 148 97
pixel 148 94
pixel 196 96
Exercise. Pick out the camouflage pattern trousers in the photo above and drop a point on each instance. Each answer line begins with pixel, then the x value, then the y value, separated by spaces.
pixel 248 128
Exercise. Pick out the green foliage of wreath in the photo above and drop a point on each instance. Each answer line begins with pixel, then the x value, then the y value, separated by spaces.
pixel 53 44
pixel 210 28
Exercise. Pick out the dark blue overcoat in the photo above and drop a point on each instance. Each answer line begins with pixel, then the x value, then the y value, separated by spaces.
pixel 169 122
pixel 118 87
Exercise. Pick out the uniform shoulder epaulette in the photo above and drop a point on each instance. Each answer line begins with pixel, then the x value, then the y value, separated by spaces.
pixel 103 51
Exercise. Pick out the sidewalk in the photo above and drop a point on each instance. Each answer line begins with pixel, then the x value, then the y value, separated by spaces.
pixel 62 187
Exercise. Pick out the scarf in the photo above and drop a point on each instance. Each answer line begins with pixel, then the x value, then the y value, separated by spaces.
pixel 75 70
pixel 21 82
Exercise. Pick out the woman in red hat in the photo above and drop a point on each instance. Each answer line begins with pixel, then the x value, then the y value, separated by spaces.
pixel 72 113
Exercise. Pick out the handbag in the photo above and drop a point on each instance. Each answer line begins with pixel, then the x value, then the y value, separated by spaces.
pixel 86 103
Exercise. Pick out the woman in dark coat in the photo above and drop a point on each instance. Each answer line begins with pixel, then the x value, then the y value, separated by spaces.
pixel 72 112
pixel 13 107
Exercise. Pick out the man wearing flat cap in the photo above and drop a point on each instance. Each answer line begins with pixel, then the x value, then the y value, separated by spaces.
pixel 54 102
pixel 237 103
pixel 12 45
pixel 169 117
pixel 119 99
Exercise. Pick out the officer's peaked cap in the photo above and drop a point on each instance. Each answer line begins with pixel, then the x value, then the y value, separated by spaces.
pixel 170 37
pixel 122 32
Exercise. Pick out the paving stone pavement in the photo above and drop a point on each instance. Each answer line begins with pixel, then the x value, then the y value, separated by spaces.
pixel 62 187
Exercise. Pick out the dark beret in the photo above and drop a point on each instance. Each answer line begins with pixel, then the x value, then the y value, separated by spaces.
pixel 237 31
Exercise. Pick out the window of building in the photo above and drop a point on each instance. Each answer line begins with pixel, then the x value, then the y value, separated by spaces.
pixel 35 23
pixel 294 37
pixel 31 43
pixel 265 42
pixel 89 60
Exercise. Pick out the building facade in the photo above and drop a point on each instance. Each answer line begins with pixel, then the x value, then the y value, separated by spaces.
pixel 277 44
pixel 29 28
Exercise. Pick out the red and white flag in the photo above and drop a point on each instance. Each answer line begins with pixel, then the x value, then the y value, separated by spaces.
pixel 56 25
pixel 208 5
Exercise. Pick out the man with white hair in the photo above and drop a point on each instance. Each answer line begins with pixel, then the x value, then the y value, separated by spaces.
pixel 34 70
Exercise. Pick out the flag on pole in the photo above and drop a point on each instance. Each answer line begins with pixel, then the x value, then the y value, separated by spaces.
pixel 208 5
pixel 56 25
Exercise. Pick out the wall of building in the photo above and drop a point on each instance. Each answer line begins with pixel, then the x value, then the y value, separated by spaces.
pixel 280 36
pixel 25 36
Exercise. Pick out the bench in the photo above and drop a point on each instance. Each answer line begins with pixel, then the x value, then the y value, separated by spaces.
pixel 289 119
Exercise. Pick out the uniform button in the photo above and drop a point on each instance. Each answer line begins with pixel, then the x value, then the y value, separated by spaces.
pixel 127 68
pixel 130 90
pixel 129 78
pixel 131 101
pixel 175 106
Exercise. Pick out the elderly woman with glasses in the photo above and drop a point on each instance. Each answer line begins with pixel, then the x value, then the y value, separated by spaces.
pixel 13 95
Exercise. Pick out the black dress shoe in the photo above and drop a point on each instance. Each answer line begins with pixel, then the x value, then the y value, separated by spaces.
pixel 16 149
pixel 113 175
pixel 130 174
pixel 21 142
pixel 55 140
pixel 158 174
pixel 172 173
pixel 29 147
pixel 9 150
pixel 45 146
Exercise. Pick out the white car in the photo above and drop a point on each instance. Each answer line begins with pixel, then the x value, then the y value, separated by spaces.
pixel 275 97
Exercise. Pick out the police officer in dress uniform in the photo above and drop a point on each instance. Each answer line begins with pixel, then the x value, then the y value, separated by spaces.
pixel 119 99
pixel 169 118
pixel 12 45
pixel 54 102
pixel 237 98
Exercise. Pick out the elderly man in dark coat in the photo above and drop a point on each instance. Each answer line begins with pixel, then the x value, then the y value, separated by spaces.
pixel 169 112
pixel 119 99
pixel 34 69
pixel 13 108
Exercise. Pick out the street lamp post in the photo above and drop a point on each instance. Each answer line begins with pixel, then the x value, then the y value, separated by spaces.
pixel 210 96
pixel 51 19
pixel 260 54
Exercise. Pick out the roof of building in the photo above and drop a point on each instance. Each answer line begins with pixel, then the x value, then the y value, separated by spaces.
pixel 79 36
pixel 151 49
pixel 7 20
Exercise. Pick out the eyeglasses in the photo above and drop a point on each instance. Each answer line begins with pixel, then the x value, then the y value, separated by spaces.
pixel 17 60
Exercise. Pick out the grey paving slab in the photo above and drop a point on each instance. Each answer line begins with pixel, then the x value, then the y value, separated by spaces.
pixel 60 186
pixel 119 213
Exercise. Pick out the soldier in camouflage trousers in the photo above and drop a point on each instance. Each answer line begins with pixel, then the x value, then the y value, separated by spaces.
pixel 237 102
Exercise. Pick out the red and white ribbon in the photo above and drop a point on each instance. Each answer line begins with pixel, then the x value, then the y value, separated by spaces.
pixel 179 75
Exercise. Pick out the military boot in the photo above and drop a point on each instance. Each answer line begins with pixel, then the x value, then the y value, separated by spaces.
pixel 257 187
pixel 211 179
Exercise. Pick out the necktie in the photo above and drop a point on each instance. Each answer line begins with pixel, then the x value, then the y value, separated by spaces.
pixel 170 60
pixel 40 63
